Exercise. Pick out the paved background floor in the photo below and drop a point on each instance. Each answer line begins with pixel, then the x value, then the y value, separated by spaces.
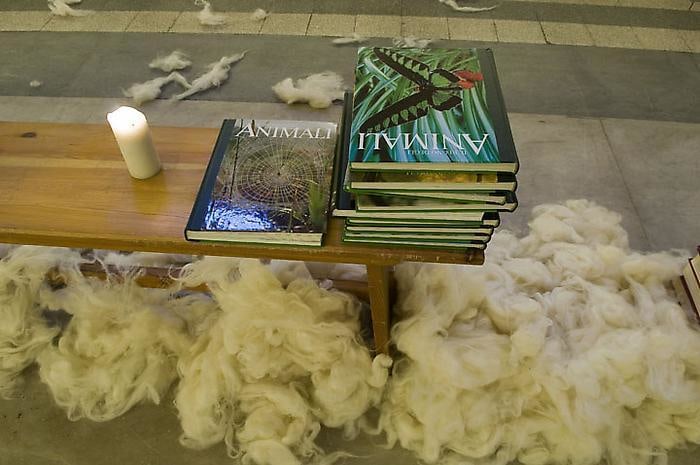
pixel 602 94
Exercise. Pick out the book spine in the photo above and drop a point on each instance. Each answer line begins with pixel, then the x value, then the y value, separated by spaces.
pixel 199 210
pixel 692 283
pixel 343 196
pixel 496 106
pixel 685 300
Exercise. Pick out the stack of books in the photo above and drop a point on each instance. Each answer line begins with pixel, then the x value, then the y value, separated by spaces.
pixel 687 287
pixel 429 156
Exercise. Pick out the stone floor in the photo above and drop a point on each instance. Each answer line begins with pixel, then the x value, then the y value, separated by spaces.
pixel 603 100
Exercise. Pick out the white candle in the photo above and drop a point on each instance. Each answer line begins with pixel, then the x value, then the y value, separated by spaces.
pixel 134 138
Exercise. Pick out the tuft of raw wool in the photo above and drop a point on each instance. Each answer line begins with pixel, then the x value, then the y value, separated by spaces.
pixel 143 92
pixel 319 90
pixel 465 9
pixel 217 74
pixel 61 8
pixel 354 38
pixel 176 60
pixel 35 83
pixel 274 364
pixel 565 347
pixel 23 331
pixel 121 345
pixel 259 14
pixel 411 42
pixel 207 17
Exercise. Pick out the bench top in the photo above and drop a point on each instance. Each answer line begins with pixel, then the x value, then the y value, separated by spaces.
pixel 66 185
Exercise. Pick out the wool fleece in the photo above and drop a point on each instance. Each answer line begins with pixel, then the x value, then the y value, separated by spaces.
pixel 121 345
pixel 566 347
pixel 23 332
pixel 273 365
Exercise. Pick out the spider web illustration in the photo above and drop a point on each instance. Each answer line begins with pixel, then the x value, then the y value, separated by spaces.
pixel 279 174
pixel 266 184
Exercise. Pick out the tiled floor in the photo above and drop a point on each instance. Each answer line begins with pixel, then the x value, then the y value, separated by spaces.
pixel 481 28
pixel 603 98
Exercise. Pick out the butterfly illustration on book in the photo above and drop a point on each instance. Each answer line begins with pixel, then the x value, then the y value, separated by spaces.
pixel 438 89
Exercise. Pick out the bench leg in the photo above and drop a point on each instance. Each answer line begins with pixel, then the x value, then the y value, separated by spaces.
pixel 379 283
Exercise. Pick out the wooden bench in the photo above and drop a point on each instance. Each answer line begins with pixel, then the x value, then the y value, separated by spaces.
pixel 66 185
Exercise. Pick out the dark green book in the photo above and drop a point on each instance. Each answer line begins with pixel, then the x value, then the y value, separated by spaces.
pixel 456 238
pixel 417 230
pixel 268 182
pixel 374 203
pixel 458 217
pixel 459 197
pixel 427 110
pixel 489 220
pixel 342 199
pixel 435 181
pixel 417 243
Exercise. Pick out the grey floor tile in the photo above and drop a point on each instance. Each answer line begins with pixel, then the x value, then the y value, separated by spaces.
pixel 161 112
pixel 591 81
pixel 660 163
pixel 149 5
pixel 23 5
pixel 52 63
pixel 568 158
pixel 282 6
pixel 347 7
pixel 608 16
pixel 373 7
pixel 559 13
pixel 523 11
pixel 246 5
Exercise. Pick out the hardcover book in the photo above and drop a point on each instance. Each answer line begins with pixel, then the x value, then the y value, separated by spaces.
pixel 489 220
pixel 463 217
pixel 417 243
pixel 436 181
pixel 459 197
pixel 397 204
pixel 429 110
pixel 692 280
pixel 417 230
pixel 420 237
pixel 267 182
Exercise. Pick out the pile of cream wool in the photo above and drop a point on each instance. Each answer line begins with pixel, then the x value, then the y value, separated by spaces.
pixel 564 348
pixel 261 364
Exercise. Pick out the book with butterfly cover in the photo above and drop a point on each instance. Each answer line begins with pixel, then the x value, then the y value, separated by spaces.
pixel 268 182
pixel 429 110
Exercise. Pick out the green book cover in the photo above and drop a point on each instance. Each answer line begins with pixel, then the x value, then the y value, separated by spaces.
pixel 429 110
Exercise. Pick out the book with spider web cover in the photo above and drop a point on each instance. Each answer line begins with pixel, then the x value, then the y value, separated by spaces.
pixel 268 182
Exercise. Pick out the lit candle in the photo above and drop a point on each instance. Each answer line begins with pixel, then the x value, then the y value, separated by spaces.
pixel 134 138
